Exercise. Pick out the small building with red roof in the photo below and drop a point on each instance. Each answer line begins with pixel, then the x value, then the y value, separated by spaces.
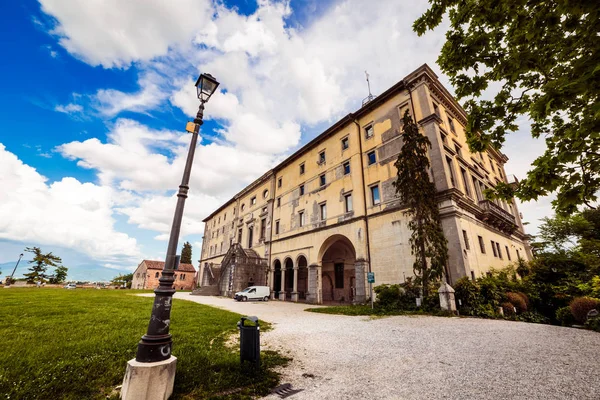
pixel 148 272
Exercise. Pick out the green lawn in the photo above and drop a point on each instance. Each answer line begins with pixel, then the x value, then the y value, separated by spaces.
pixel 74 344
pixel 356 310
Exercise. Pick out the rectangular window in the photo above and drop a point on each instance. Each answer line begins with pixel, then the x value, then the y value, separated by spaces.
pixel 279 182
pixel 518 255
pixel 279 202
pixel 477 189
pixel 481 244
pixel 339 275
pixel 224 217
pixel 371 159
pixel 302 190
pixel 322 180
pixel 472 275
pixel 444 137
pixel 302 169
pixel 253 200
pixel 348 202
pixel 323 210
pixel 499 252
pixel 277 227
pixel 457 149
pixel 301 218
pixel 250 236
pixel 466 238
pixel 375 199
pixel 451 124
pixel 345 143
pixel 465 179
pixel 494 248
pixel 240 236
pixel 263 228
pixel 322 157
pixel 492 164
pixel 450 171
pixel 436 110
pixel 369 131
pixel 346 167
pixel 507 253
pixel 221 247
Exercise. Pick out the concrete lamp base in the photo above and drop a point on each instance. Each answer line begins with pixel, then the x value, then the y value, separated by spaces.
pixel 149 381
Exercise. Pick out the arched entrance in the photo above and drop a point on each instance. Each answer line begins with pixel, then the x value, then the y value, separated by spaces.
pixel 338 258
pixel 276 278
pixel 289 278
pixel 302 277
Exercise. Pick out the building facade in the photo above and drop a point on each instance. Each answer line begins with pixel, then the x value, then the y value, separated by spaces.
pixel 148 272
pixel 328 214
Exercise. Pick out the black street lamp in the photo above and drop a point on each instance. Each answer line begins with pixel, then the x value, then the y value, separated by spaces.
pixel 156 343
pixel 11 275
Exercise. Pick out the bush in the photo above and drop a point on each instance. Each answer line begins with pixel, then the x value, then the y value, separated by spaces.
pixel 467 292
pixel 518 300
pixel 534 317
pixel 508 308
pixel 564 316
pixel 398 297
pixel 593 324
pixel 580 307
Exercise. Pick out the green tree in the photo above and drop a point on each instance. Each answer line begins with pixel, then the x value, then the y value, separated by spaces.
pixel 123 280
pixel 545 59
pixel 186 253
pixel 40 264
pixel 417 192
pixel 60 274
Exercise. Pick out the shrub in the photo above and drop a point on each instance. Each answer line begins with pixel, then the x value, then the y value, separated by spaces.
pixel 398 297
pixel 518 300
pixel 388 296
pixel 564 316
pixel 508 308
pixel 467 292
pixel 593 324
pixel 534 317
pixel 580 307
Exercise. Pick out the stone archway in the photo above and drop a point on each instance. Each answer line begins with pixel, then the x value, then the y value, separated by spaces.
pixel 289 278
pixel 337 258
pixel 302 278
pixel 276 279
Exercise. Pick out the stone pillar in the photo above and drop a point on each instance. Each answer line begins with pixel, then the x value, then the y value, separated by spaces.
pixel 314 295
pixel 295 292
pixel 271 275
pixel 360 268
pixel 446 293
pixel 282 292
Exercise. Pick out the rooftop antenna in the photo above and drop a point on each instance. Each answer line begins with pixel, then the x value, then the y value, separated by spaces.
pixel 370 96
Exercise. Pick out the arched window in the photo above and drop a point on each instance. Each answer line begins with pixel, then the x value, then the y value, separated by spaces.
pixel 156 275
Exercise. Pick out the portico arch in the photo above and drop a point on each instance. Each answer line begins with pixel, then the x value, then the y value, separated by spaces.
pixel 337 257
pixel 276 284
pixel 288 282
pixel 301 271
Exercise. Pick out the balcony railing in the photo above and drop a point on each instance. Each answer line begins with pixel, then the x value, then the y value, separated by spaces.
pixel 497 215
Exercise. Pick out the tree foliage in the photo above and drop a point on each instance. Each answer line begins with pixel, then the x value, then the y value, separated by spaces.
pixel 60 274
pixel 122 280
pixel 545 59
pixel 186 253
pixel 40 264
pixel 417 192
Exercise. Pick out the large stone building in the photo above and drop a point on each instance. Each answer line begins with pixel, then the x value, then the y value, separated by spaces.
pixel 313 226
pixel 148 272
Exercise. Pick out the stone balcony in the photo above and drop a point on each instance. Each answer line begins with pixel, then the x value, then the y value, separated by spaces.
pixel 497 216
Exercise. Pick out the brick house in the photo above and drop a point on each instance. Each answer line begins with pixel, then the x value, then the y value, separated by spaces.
pixel 147 273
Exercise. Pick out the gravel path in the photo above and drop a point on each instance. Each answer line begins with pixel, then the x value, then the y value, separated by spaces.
pixel 341 357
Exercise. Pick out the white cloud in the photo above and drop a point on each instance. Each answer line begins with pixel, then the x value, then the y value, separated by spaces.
pixel 114 33
pixel 110 102
pixel 70 108
pixel 65 213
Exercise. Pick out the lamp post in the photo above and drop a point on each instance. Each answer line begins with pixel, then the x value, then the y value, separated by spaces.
pixel 156 344
pixel 13 272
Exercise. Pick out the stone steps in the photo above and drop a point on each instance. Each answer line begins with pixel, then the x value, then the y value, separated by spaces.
pixel 212 290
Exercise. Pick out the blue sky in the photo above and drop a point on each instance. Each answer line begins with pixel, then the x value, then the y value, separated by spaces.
pixel 96 95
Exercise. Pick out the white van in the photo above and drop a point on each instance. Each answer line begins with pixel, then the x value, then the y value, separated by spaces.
pixel 253 293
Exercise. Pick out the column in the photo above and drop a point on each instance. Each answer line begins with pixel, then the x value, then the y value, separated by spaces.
pixel 360 268
pixel 314 295
pixel 295 292
pixel 271 281
pixel 282 292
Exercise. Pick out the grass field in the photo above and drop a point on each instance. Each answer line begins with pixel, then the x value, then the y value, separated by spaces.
pixel 74 344
pixel 366 310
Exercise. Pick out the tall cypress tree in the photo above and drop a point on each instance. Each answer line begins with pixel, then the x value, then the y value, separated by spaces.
pixel 186 253
pixel 417 192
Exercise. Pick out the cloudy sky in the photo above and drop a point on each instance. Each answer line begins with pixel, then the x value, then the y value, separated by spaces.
pixel 96 95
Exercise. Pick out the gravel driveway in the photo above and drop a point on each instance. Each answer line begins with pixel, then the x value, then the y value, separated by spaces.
pixel 341 357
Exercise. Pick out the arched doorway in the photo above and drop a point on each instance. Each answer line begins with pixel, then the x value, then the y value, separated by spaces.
pixel 302 277
pixel 338 258
pixel 289 278
pixel 276 278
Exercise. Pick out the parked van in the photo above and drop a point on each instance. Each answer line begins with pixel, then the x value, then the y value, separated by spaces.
pixel 253 293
